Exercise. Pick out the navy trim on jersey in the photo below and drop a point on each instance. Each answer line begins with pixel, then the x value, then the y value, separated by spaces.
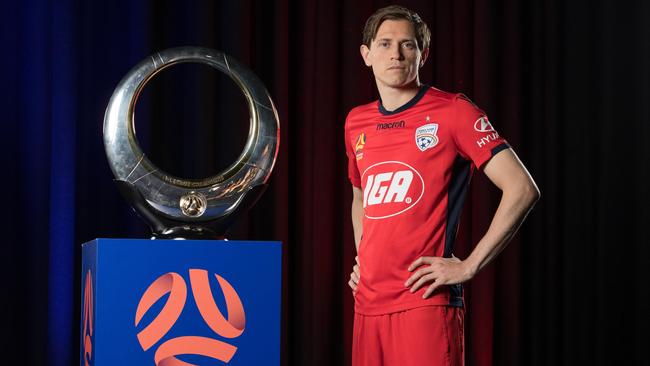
pixel 409 104
pixel 456 295
pixel 460 177
pixel 458 185
pixel 499 148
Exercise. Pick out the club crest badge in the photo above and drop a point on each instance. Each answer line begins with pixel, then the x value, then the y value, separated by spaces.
pixel 425 136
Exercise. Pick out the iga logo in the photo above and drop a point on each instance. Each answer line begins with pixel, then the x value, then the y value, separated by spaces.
pixel 173 284
pixel 88 315
pixel 391 188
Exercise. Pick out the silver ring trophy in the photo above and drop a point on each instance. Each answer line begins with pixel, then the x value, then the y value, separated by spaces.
pixel 190 209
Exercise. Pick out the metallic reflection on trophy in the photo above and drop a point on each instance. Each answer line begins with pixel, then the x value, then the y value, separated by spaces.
pixel 178 208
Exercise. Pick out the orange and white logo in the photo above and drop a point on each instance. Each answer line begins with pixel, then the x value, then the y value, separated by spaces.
pixel 173 284
pixel 88 315
pixel 390 188
pixel 358 146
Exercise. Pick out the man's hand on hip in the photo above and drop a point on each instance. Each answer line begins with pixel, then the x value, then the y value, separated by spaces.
pixel 437 271
pixel 354 277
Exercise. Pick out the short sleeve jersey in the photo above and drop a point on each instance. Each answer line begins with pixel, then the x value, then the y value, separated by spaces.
pixel 413 166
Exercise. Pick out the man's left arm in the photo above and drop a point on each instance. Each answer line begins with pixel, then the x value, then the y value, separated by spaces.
pixel 519 194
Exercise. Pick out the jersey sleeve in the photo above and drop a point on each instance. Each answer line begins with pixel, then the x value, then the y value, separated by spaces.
pixel 475 137
pixel 353 170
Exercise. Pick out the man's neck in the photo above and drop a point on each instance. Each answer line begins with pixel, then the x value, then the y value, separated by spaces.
pixel 393 98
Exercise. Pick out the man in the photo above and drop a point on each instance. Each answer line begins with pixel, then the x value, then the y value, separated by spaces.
pixel 411 155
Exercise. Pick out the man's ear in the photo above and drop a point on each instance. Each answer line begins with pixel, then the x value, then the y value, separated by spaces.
pixel 424 56
pixel 365 51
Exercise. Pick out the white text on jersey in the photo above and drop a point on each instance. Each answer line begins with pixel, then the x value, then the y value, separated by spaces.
pixel 387 187
pixel 487 138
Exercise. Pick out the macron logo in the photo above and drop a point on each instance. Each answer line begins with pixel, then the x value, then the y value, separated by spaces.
pixel 390 188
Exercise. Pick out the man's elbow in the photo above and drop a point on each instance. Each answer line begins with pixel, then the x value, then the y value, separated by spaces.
pixel 531 193
pixel 524 191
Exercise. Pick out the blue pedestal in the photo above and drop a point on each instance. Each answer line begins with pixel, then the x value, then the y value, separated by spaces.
pixel 165 302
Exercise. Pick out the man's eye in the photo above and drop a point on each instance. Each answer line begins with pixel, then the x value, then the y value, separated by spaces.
pixel 408 45
pixel 383 44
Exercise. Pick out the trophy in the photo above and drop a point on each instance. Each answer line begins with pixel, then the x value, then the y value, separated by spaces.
pixel 181 208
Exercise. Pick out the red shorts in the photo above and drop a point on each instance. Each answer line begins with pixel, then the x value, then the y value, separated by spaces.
pixel 429 335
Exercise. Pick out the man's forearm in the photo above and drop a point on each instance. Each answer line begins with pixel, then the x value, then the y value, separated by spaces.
pixel 357 215
pixel 510 214
pixel 357 223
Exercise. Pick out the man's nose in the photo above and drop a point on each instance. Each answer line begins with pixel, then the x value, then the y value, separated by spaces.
pixel 396 53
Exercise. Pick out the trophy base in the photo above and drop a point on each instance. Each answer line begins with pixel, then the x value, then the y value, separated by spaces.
pixel 164 227
pixel 187 233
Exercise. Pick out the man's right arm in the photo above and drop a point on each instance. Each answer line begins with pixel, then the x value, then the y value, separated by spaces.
pixel 357 227
pixel 357 215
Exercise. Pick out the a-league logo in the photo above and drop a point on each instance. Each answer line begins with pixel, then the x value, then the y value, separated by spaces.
pixel 88 315
pixel 173 284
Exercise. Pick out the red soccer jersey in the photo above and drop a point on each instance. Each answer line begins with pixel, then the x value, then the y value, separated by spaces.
pixel 413 166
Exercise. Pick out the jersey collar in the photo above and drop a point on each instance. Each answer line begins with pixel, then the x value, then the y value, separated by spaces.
pixel 409 104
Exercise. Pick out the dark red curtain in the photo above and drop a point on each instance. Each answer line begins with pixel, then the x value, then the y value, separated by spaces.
pixel 566 82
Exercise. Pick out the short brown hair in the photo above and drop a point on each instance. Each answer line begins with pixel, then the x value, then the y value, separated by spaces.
pixel 396 12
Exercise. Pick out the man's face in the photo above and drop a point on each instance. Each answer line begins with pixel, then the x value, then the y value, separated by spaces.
pixel 394 54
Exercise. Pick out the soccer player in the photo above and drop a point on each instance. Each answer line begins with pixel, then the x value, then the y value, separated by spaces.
pixel 411 155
